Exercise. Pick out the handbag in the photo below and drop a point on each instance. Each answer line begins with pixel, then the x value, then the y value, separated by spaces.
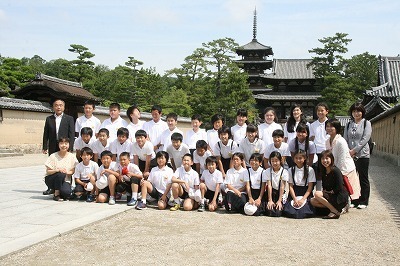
pixel 347 185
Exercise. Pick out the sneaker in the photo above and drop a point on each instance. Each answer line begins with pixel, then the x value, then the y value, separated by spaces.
pixel 176 207
pixel 141 206
pixel 362 206
pixel 345 209
pixel 111 201
pixel 90 198
pixel 132 202
pixel 352 205
pixel 201 207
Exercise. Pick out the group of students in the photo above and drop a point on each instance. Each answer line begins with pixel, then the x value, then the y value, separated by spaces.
pixel 250 169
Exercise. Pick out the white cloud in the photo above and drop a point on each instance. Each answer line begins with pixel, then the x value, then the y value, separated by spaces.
pixel 3 16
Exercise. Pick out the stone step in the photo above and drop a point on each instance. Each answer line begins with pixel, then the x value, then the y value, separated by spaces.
pixel 10 154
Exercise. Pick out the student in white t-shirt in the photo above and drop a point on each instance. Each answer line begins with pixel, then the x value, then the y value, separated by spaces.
pixel 224 149
pixel 114 122
pixel 251 144
pixel 217 121
pixel 165 138
pixel 239 130
pixel 281 147
pixel 85 140
pixel 133 113
pixel 87 120
pixel 265 129
pixel 302 142
pixel 200 156
pixel 296 117
pixel 101 144
pixel 195 134
pixel 109 171
pixel 143 153
pixel 211 181
pixel 177 150
pixel 85 173
pixel 255 187
pixel 121 144
pixel 155 127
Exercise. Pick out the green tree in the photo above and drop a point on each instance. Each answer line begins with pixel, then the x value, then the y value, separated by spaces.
pixel 176 101
pixel 82 65
pixel 60 68
pixel 13 74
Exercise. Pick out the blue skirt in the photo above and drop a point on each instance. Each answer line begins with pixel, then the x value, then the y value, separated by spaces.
pixel 306 211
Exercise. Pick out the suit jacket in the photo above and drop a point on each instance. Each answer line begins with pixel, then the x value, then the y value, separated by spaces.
pixel 66 130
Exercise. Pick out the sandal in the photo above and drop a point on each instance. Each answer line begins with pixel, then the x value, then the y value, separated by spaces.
pixel 332 215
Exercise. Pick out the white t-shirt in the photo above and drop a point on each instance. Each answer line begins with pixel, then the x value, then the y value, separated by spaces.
pixel 117 148
pixel 212 137
pixel 160 178
pixel 177 154
pixel 265 131
pixel 237 178
pixel 201 160
pixel 291 135
pixel 248 148
pixel 256 177
pixel 79 144
pixel 317 129
pixel 93 122
pixel 132 128
pixel 299 176
pixel 192 137
pixel 165 138
pixel 212 179
pixel 98 147
pixel 113 167
pixel 113 126
pixel 192 177
pixel 142 153
pixel 225 151
pixel 82 171
pixel 238 132
pixel 283 150
pixel 154 130
pixel 276 177
pixel 132 168
pixel 302 146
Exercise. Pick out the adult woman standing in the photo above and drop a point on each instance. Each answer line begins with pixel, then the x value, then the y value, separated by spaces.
pixel 338 145
pixel 357 134
pixel 60 165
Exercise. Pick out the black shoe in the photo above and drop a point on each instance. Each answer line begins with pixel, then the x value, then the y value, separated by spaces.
pixel 48 191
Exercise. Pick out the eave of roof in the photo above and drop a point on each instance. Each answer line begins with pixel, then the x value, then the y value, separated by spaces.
pixel 254 45
pixel 288 97
pixel 291 69
pixel 25 105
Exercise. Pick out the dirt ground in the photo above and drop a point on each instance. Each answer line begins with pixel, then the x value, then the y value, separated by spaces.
pixel 365 237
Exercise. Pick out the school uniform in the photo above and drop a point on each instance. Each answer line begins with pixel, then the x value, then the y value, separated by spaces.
pixel 225 152
pixel 248 148
pixel 79 143
pixel 265 131
pixel 300 187
pixel 317 130
pixel 92 122
pixel 165 138
pixel 177 154
pixel 125 185
pixel 82 171
pixel 98 147
pixel 237 179
pixel 117 148
pixel 238 132
pixel 142 153
pixel 283 150
pixel 201 160
pixel 154 131
pixel 191 177
pixel 132 128
pixel 212 137
pixel 160 178
pixel 302 146
pixel 211 180
pixel 291 135
pixel 113 126
pixel 276 179
pixel 192 137
pixel 103 188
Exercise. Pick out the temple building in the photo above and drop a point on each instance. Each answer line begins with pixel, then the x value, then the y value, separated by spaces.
pixel 279 83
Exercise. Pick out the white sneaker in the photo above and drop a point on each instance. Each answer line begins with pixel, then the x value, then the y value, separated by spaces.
pixel 111 201
pixel 362 206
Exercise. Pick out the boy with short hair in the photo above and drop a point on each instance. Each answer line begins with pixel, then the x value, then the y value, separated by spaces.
pixel 211 181
pixel 85 140
pixel 85 173
pixel 158 184
pixel 185 185
pixel 133 113
pixel 165 138
pixel 155 127
pixel 106 172
pixel 101 144
pixel 176 150
pixel 114 122
pixel 224 149
pixel 195 134
pixel 87 120
pixel 143 152
pixel 129 178
pixel 239 130
pixel 200 156
pixel 121 144
pixel 217 121
pixel 280 146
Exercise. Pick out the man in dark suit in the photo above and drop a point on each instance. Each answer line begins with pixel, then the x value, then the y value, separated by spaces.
pixel 56 126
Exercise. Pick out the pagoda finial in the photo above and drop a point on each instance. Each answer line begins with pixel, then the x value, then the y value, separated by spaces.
pixel 255 24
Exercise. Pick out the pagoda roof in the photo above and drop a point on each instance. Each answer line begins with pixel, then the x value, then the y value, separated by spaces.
pixel 254 45
pixel 274 96
pixel 58 88
pixel 291 69
pixel 376 102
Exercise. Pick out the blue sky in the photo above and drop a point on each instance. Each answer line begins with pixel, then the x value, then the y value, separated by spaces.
pixel 161 33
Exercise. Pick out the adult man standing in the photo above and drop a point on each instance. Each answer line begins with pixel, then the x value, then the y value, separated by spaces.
pixel 56 126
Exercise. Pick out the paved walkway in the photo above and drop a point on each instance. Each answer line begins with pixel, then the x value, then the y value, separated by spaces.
pixel 28 217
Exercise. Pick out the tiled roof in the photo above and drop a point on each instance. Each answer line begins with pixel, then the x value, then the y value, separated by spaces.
pixel 255 45
pixel 288 96
pixel 389 78
pixel 374 102
pixel 291 69
pixel 25 105
pixel 395 109
pixel 343 120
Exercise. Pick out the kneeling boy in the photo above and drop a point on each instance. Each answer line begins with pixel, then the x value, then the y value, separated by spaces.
pixel 211 181
pixel 85 173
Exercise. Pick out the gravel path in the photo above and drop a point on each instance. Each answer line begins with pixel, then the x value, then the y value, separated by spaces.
pixel 365 237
